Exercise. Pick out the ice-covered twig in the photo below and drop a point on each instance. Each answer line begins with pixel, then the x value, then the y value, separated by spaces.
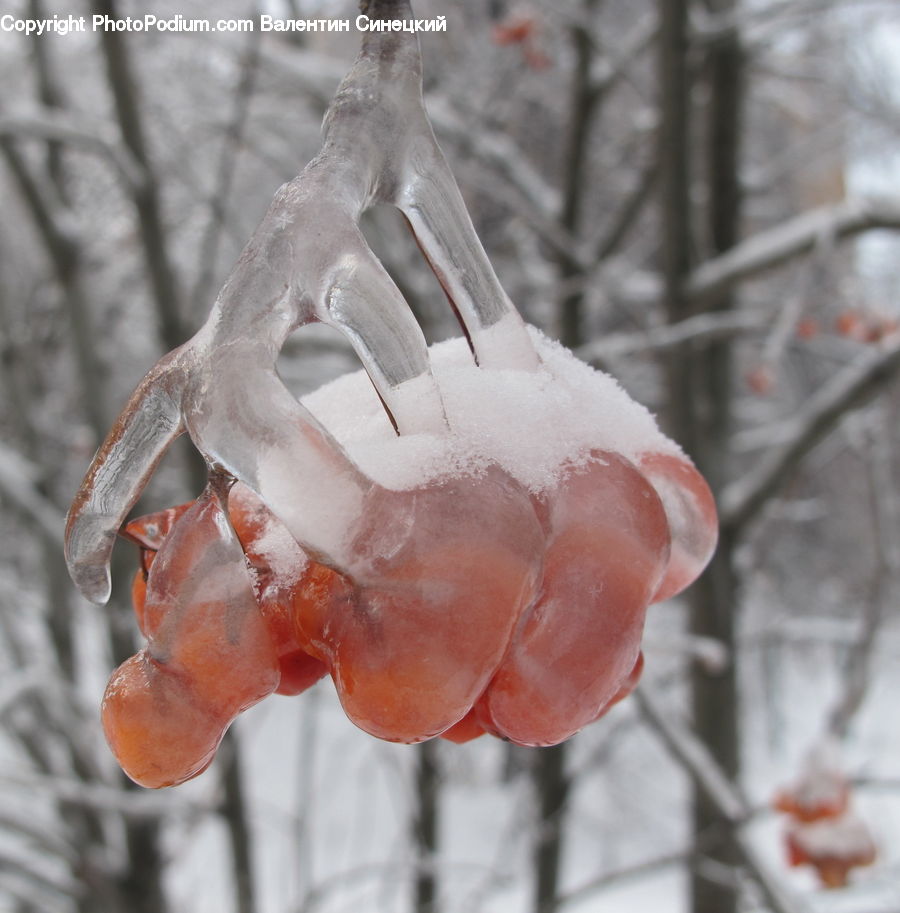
pixel 48 883
pixel 709 653
pixel 48 124
pixel 700 329
pixel 626 872
pixel 319 76
pixel 17 485
pixel 774 246
pixel 703 769
pixel 308 261
pixel 852 386
pixel 101 797
pixel 695 757
pixel 882 492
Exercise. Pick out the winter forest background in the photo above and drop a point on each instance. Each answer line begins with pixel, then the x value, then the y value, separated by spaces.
pixel 699 197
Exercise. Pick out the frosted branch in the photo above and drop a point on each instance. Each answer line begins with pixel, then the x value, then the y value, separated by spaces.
pixel 882 499
pixel 705 772
pixel 849 389
pixel 64 128
pixel 18 486
pixel 625 873
pixel 100 797
pixel 33 883
pixel 777 245
pixel 702 329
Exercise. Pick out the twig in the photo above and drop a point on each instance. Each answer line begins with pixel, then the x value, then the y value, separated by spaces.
pixel 699 330
pixel 849 389
pixel 774 246
pixel 64 128
pixel 64 252
pixel 42 835
pixel 234 135
pixel 17 485
pixel 635 870
pixel 147 201
pixel 628 212
pixel 132 805
pixel 28 871
pixel 884 527
pixel 703 769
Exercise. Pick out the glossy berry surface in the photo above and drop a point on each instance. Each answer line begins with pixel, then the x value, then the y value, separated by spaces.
pixel 469 606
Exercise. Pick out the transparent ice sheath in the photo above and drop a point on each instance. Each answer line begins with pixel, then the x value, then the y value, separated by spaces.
pixel 308 261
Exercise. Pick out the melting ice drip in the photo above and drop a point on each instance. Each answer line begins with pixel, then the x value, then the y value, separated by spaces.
pixel 466 540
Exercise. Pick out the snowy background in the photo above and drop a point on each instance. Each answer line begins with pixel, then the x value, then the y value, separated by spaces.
pixel 574 222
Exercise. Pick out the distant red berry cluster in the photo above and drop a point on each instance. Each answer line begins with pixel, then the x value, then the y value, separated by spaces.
pixel 823 831
pixel 522 30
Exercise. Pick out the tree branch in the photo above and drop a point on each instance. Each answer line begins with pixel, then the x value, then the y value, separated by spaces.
pixel 231 144
pixel 147 201
pixel 777 245
pixel 849 389
pixel 59 127
pixel 882 498
pixel 17 485
pixel 64 253
pixel 699 330
pixel 628 212
pixel 101 797
pixel 703 769
pixel 635 870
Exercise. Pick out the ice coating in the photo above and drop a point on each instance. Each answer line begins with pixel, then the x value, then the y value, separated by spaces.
pixel 531 423
pixel 208 654
pixel 265 541
pixel 308 261
pixel 577 645
pixel 466 539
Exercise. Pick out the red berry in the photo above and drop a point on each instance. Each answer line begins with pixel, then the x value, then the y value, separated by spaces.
pixel 577 646
pixel 691 513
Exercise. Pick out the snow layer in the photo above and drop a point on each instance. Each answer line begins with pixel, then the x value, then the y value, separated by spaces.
pixel 532 423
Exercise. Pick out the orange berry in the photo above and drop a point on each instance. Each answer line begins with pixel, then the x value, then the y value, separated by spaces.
pixel 691 513
pixel 578 645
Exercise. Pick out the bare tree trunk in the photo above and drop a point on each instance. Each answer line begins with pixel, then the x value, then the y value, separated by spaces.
pixel 426 824
pixel 146 197
pixel 234 809
pixel 552 785
pixel 581 108
pixel 141 885
pixel 714 601
pixel 700 400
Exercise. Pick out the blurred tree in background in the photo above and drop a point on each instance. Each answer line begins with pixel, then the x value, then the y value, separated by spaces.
pixel 690 195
